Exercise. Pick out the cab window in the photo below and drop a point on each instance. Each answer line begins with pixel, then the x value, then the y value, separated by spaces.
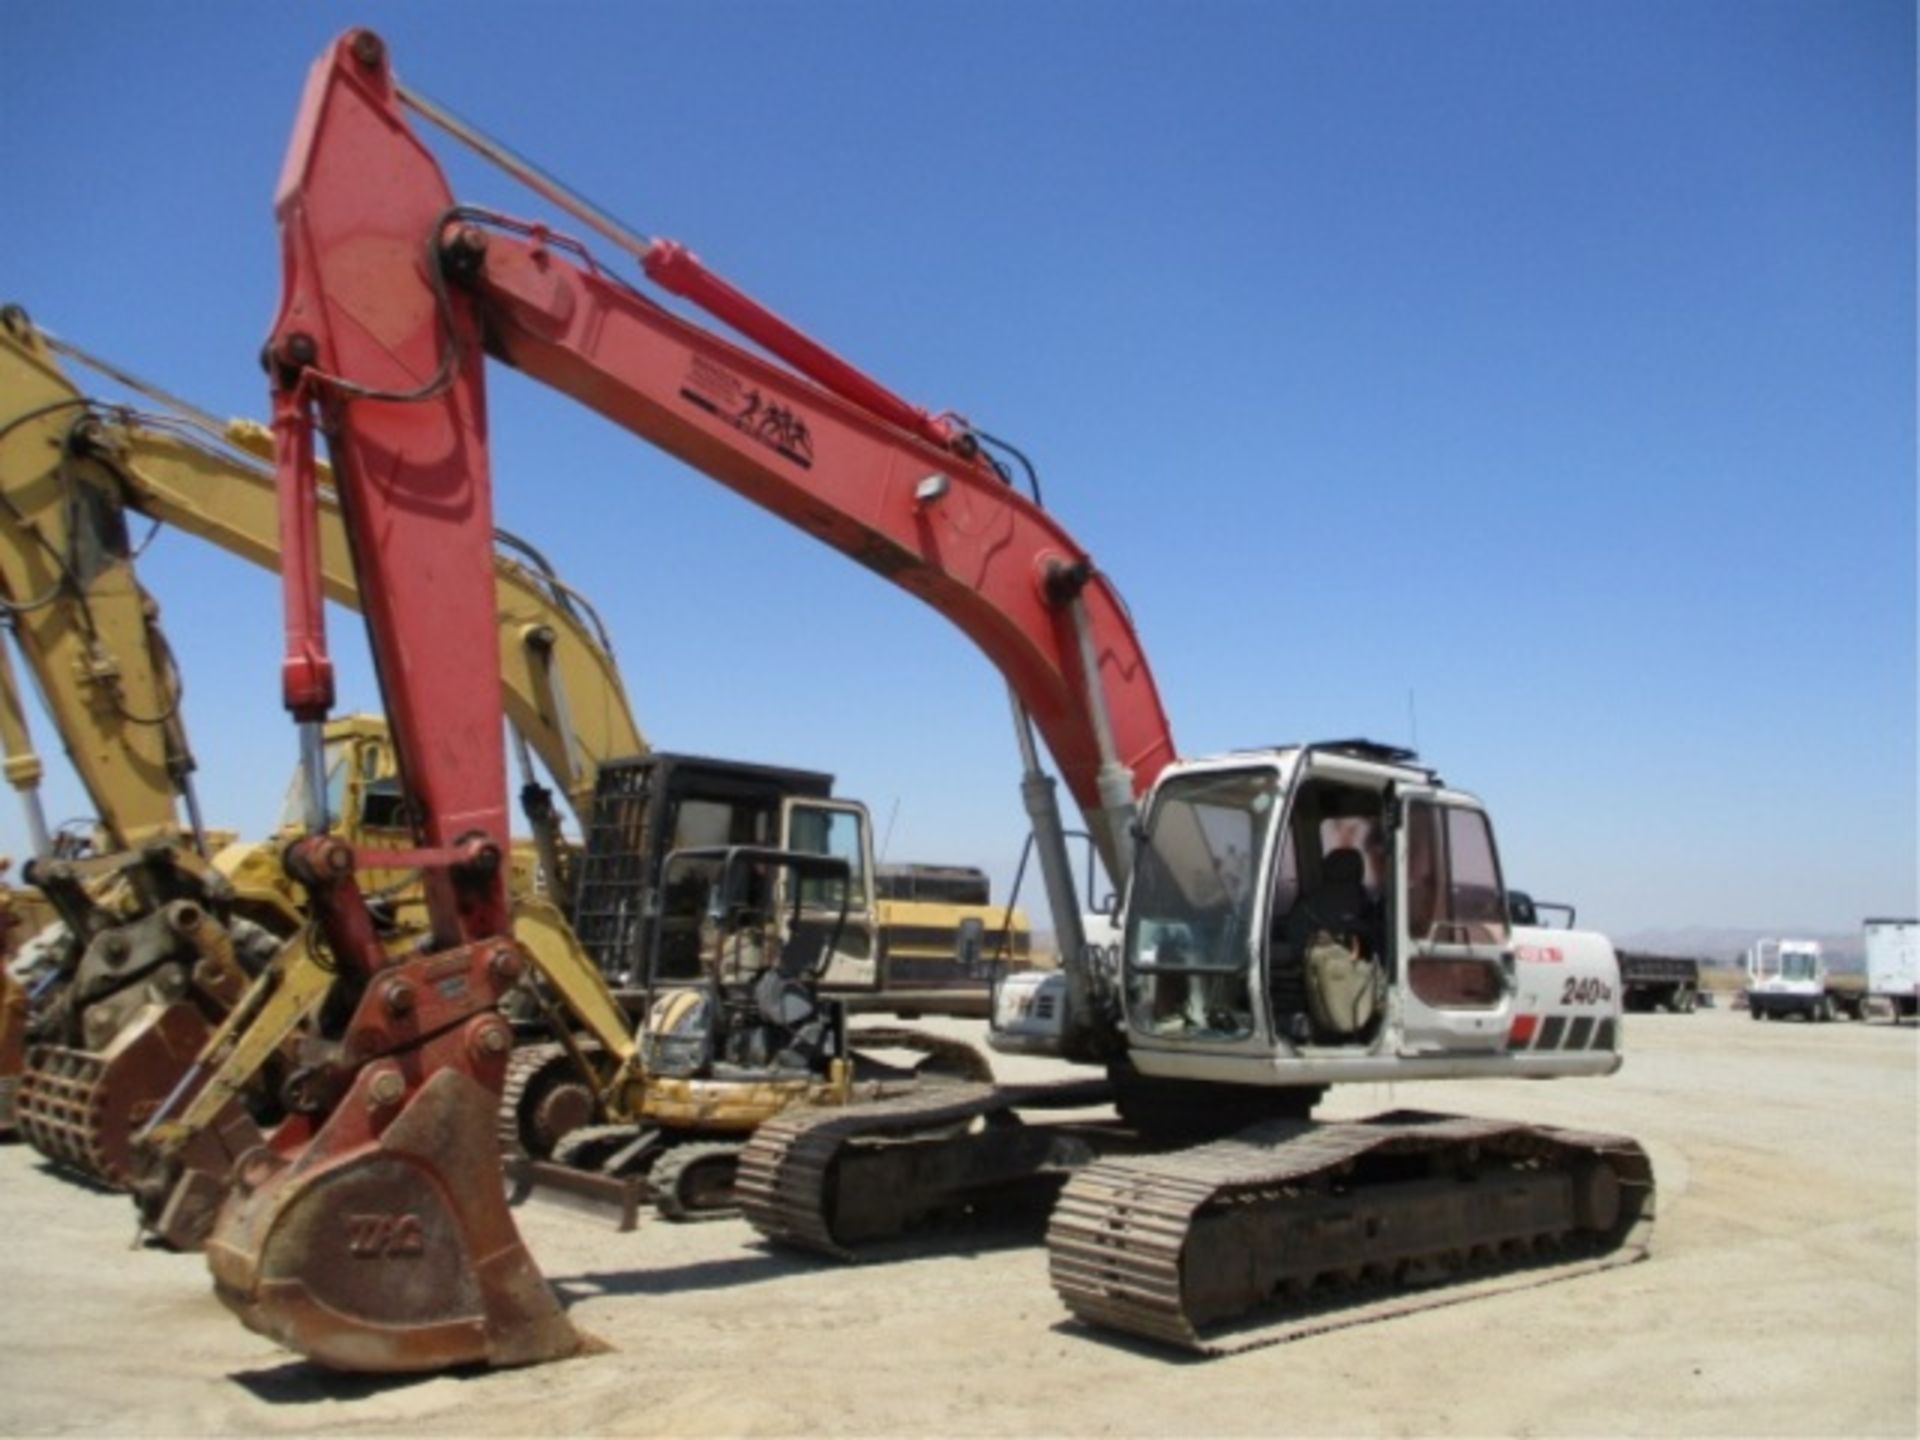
pixel 1454 901
pixel 1453 878
pixel 838 833
pixel 1473 892
pixel 1188 939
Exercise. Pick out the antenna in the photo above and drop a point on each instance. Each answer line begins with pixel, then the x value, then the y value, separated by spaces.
pixel 887 838
pixel 1413 723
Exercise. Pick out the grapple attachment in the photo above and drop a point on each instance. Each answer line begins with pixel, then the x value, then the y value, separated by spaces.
pixel 384 1242
pixel 82 1108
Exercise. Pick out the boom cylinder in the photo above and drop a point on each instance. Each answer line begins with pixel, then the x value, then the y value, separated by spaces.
pixel 1114 780
pixel 22 763
pixel 306 674
pixel 1037 792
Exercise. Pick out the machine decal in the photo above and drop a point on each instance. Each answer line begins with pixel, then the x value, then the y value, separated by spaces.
pixel 720 392
pixel 385 1237
pixel 1562 1032
pixel 1585 990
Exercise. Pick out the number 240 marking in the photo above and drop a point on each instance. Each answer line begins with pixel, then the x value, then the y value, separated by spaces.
pixel 1585 990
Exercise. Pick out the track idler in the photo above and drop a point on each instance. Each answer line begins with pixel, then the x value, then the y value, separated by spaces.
pixel 384 1243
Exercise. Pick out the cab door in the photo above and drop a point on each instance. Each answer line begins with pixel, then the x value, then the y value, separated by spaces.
pixel 1455 980
pixel 839 828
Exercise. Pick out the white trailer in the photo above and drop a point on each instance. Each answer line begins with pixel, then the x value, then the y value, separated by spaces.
pixel 1893 965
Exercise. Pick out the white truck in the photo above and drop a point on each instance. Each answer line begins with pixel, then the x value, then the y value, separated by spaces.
pixel 1790 977
pixel 1893 965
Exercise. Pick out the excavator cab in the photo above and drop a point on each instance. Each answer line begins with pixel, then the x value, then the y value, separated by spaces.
pixel 644 810
pixel 753 1005
pixel 1319 901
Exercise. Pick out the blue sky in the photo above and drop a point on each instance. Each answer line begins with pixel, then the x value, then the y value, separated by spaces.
pixel 1551 362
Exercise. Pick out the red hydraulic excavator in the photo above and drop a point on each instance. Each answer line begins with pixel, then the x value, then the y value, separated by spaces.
pixel 1292 917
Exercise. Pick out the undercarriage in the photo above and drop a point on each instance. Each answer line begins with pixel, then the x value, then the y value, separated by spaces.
pixel 1284 1228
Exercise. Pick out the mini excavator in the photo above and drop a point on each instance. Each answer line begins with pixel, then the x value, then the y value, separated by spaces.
pixel 1291 917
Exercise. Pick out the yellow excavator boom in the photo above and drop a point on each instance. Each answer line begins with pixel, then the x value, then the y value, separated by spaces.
pixel 88 632
pixel 72 469
pixel 564 694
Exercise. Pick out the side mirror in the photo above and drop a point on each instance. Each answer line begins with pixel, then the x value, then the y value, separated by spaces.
pixel 1111 908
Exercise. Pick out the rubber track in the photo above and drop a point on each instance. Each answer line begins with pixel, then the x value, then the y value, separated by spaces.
pixel 783 1181
pixel 1119 1228
pixel 664 1179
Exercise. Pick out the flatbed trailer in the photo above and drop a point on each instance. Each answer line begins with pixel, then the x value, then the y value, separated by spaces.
pixel 1659 982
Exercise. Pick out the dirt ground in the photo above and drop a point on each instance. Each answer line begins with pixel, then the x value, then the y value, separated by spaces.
pixel 1780 1299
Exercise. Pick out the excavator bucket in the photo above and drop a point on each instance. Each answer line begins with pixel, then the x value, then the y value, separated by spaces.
pixel 179 1192
pixel 384 1243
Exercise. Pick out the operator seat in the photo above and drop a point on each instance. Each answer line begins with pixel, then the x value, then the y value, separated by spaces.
pixel 1338 907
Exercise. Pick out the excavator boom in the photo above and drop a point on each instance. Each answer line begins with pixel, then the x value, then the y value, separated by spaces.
pixel 88 632
pixel 394 366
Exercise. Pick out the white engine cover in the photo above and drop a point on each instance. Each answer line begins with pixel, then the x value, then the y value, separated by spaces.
pixel 1567 993
pixel 1030 1006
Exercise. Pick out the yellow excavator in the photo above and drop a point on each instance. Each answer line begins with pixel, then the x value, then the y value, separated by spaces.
pixel 173 1144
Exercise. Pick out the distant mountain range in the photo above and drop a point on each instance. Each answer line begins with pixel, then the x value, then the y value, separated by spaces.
pixel 1715 944
pixel 1727 945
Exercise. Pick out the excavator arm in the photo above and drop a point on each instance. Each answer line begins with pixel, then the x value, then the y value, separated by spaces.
pixel 21 762
pixel 563 695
